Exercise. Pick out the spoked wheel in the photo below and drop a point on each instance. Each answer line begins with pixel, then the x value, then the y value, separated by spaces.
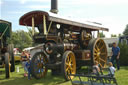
pixel 38 67
pixel 68 64
pixel 98 51
pixel 7 66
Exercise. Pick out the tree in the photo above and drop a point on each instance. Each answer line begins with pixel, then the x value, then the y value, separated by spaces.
pixel 101 35
pixel 113 35
pixel 21 39
pixel 119 35
pixel 126 30
pixel 123 54
pixel 30 32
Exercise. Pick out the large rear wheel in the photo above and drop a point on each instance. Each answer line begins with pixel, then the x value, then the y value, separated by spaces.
pixel 7 66
pixel 68 64
pixel 10 50
pixel 38 67
pixel 98 51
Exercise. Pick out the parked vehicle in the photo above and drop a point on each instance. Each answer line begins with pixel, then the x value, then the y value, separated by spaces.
pixel 17 54
pixel 6 50
pixel 109 42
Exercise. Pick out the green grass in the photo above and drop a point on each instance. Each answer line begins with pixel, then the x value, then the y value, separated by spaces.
pixel 18 79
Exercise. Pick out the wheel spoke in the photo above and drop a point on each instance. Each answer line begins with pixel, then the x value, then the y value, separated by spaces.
pixel 70 61
pixel 95 50
pixel 68 58
pixel 95 58
pixel 67 68
pixel 97 46
pixel 67 63
pixel 101 47
pixel 99 43
pixel 103 54
pixel 102 60
pixel 95 54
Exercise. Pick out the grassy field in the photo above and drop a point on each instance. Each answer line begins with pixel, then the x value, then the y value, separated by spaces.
pixel 18 79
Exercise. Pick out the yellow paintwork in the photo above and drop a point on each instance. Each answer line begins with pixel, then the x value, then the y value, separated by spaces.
pixel 70 64
pixel 17 57
pixel 100 53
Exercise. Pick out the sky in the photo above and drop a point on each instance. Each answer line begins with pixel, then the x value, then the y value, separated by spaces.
pixel 113 14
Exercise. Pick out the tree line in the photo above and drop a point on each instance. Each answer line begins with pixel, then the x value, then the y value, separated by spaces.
pixel 125 32
pixel 21 39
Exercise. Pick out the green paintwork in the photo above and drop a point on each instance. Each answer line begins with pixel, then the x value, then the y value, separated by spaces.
pixel 4 25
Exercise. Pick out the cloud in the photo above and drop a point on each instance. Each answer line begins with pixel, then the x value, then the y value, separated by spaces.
pixel 17 12
pixel 25 1
pixel 97 2
pixel 39 6
pixel 115 25
pixel 40 0
pixel 0 8
pixel 1 2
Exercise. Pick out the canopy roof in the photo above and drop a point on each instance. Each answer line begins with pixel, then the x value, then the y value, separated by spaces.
pixel 5 26
pixel 26 19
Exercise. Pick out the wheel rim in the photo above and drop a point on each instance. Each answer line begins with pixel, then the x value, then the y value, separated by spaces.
pixel 100 52
pixel 70 64
pixel 39 66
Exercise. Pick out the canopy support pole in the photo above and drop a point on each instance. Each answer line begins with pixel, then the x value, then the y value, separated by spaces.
pixel 33 26
pixel 49 26
pixel 44 25
pixel 98 34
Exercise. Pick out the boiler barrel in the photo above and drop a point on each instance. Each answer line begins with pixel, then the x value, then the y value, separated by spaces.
pixel 60 48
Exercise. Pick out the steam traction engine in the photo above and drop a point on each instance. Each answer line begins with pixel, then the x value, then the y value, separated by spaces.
pixel 6 50
pixel 66 45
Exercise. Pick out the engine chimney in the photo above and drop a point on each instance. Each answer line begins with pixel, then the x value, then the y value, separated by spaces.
pixel 54 6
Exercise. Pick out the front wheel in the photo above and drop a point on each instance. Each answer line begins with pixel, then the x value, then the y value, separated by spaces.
pixel 38 68
pixel 68 64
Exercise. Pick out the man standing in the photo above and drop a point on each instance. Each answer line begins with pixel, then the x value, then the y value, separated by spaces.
pixel 115 55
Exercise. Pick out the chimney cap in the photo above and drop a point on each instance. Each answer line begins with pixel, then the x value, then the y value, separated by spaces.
pixel 54 6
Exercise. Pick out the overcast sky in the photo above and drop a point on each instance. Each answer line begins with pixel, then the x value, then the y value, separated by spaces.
pixel 111 13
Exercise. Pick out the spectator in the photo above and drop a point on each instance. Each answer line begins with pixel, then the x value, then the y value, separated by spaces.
pixel 29 69
pixel 24 59
pixel 112 69
pixel 115 55
pixel 96 67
